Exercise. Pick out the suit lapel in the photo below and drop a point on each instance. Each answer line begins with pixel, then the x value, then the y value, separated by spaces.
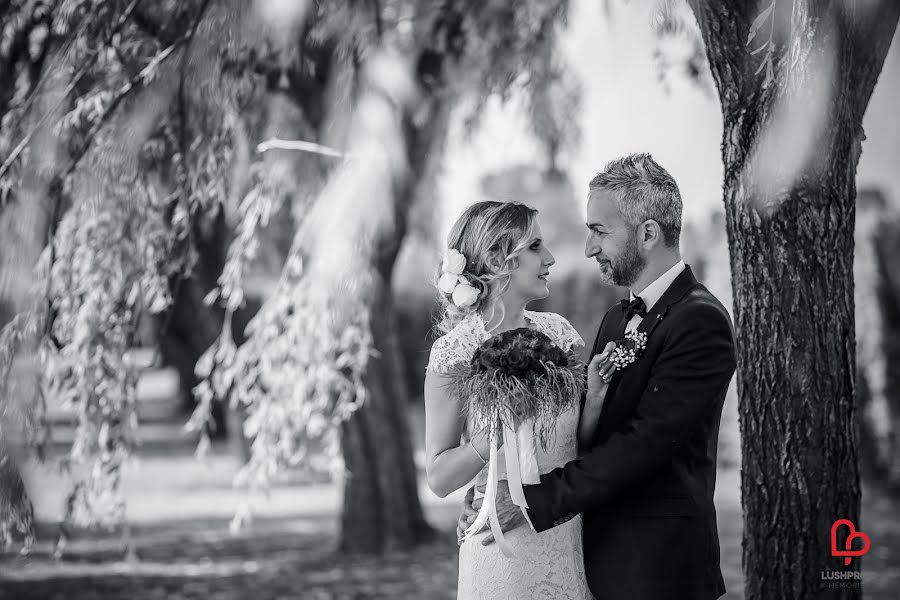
pixel 684 283
pixel 619 333
pixel 675 292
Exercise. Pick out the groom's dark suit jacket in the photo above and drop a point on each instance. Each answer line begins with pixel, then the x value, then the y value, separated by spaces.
pixel 646 487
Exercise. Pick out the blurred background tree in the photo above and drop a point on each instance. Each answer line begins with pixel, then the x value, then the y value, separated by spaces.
pixel 883 420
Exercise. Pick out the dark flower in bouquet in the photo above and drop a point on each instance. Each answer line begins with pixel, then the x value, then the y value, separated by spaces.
pixel 518 353
pixel 518 375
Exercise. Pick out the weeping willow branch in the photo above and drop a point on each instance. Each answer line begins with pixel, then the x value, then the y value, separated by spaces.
pixel 108 261
pixel 300 373
pixel 303 146
pixel 97 296
pixel 79 75
pixel 141 78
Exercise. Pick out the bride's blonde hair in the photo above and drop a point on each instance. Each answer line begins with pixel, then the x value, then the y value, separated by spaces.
pixel 490 235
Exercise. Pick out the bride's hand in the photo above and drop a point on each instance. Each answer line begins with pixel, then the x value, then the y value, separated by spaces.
pixel 600 371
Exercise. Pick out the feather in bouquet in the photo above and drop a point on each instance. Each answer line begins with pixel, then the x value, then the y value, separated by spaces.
pixel 518 383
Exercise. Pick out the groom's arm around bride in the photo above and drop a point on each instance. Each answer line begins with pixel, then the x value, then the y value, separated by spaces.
pixel 646 487
pixel 681 399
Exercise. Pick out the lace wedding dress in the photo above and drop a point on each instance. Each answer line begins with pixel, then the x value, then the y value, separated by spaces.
pixel 548 564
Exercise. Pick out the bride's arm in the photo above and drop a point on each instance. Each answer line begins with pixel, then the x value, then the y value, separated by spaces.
pixel 449 465
pixel 594 397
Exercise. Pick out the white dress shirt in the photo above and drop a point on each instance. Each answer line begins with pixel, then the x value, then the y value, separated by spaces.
pixel 653 292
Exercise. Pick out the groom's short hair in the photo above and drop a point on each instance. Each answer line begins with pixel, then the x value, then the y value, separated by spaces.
pixel 645 191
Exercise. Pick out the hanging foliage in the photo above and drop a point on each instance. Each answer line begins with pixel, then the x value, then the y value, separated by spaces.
pixel 157 112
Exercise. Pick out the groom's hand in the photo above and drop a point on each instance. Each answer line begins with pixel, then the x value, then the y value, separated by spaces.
pixel 466 517
pixel 509 515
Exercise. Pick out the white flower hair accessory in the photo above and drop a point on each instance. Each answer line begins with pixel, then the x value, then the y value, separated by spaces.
pixel 465 295
pixel 452 281
pixel 454 261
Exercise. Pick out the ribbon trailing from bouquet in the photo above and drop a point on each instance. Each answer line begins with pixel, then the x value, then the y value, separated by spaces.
pixel 517 384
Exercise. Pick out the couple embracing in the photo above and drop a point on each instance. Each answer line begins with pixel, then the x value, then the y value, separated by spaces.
pixel 623 505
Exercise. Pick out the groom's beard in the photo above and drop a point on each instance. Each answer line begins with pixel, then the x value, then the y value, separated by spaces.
pixel 628 267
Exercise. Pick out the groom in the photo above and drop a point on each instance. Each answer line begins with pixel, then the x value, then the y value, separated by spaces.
pixel 646 486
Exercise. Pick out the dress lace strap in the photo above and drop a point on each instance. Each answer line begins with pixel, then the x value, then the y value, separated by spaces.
pixel 458 345
pixel 557 329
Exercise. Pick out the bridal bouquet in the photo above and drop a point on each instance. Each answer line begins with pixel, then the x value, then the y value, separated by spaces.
pixel 517 384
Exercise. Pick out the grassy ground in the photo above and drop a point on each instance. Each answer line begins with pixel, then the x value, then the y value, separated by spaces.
pixel 180 511
pixel 284 558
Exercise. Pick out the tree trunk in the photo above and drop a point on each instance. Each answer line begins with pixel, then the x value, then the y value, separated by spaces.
pixel 794 315
pixel 187 329
pixel 381 500
pixel 16 510
pixel 790 221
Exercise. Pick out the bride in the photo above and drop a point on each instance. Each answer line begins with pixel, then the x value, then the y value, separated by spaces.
pixel 495 264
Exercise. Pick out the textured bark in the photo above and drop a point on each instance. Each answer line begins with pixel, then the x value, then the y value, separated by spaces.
pixel 791 248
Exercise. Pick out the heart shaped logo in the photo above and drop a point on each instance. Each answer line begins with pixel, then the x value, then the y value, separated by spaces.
pixel 848 552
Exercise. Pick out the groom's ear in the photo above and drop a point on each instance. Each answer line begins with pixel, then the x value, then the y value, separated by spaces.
pixel 650 233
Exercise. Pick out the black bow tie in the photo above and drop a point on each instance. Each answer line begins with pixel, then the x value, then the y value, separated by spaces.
pixel 634 307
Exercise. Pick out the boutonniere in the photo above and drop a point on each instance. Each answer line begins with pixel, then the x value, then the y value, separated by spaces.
pixel 628 349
